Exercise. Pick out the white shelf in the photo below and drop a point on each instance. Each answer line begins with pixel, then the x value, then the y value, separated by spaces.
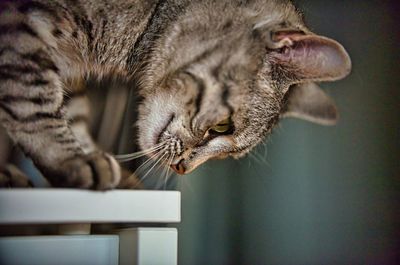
pixel 60 250
pixel 46 206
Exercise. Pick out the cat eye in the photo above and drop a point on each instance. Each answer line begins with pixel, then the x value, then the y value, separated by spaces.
pixel 223 127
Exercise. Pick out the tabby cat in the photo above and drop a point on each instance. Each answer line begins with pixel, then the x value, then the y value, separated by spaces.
pixel 215 76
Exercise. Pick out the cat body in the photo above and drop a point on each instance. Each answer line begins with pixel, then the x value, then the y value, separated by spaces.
pixel 215 77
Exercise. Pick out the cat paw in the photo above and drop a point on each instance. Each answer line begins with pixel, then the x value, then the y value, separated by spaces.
pixel 129 180
pixel 12 177
pixel 98 171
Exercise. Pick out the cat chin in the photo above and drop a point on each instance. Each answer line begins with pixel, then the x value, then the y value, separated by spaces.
pixel 241 154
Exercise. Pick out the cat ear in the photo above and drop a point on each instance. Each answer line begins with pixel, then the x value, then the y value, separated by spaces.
pixel 308 102
pixel 308 57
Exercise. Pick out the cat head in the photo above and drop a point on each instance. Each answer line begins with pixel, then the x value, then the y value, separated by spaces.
pixel 222 75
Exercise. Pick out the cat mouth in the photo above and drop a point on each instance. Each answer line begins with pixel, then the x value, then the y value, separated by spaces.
pixel 188 161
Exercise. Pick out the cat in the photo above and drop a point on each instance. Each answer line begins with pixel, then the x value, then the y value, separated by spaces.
pixel 215 77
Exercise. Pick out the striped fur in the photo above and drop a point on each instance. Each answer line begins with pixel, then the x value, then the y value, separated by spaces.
pixel 195 63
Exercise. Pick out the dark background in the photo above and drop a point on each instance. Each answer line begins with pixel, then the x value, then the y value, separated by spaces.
pixel 313 195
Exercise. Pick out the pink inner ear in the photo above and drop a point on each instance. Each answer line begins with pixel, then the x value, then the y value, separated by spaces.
pixel 312 57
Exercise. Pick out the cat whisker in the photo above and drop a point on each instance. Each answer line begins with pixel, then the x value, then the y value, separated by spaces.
pixel 164 163
pixel 132 156
pixel 167 173
pixel 155 156
pixel 156 147
pixel 167 161
pixel 154 165
pixel 259 158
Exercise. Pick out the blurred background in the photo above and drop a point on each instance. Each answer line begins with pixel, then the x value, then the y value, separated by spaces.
pixel 312 194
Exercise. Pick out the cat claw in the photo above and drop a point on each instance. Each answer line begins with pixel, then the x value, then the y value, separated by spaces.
pixel 98 171
pixel 12 177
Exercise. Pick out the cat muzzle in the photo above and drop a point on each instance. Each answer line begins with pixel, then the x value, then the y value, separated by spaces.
pixel 179 167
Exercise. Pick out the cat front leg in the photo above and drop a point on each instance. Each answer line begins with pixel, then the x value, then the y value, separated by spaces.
pixel 78 115
pixel 10 175
pixel 32 110
pixel 57 152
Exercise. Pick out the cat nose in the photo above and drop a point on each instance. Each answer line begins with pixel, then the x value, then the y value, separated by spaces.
pixel 179 168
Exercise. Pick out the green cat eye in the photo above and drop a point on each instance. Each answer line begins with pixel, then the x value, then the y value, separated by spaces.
pixel 223 127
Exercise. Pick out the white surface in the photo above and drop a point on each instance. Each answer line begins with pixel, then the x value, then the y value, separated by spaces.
pixel 60 250
pixel 148 246
pixel 31 206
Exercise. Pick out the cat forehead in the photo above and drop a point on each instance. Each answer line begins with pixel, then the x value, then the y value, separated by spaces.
pixel 205 45
pixel 243 11
pixel 229 23
pixel 233 57
pixel 223 32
